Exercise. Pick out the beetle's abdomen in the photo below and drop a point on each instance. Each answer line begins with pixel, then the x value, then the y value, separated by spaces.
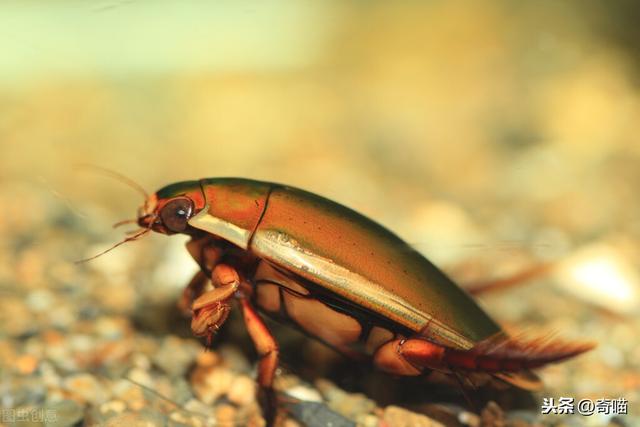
pixel 285 298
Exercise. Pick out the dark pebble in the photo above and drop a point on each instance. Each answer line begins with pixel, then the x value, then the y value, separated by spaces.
pixel 314 414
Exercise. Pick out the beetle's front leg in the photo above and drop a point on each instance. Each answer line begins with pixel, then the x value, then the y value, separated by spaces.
pixel 268 352
pixel 207 256
pixel 211 309
pixel 192 291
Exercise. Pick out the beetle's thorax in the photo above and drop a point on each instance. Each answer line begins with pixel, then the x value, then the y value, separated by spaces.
pixel 233 210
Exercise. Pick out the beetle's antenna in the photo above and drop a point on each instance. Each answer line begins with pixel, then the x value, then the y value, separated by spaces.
pixel 201 415
pixel 127 239
pixel 519 278
pixel 165 398
pixel 124 221
pixel 130 232
pixel 117 176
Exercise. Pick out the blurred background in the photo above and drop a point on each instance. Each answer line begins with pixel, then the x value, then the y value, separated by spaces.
pixel 492 135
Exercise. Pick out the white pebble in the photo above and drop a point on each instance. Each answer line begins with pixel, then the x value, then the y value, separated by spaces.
pixel 304 393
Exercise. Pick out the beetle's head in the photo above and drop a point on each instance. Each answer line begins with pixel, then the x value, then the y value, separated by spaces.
pixel 168 211
pixel 170 208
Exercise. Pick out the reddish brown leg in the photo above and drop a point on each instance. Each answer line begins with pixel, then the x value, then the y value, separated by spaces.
pixel 207 257
pixel 388 358
pixel 268 352
pixel 211 309
pixel 408 357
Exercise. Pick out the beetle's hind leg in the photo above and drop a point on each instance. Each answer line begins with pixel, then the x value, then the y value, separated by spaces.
pixel 416 356
pixel 268 351
pixel 397 356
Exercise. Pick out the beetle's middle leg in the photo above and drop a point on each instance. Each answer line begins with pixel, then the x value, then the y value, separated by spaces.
pixel 268 351
pixel 211 309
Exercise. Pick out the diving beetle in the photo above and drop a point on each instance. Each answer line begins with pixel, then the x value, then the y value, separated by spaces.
pixel 338 276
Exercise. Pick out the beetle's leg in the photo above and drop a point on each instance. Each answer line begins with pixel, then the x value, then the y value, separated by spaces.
pixel 211 309
pixel 205 252
pixel 409 357
pixel 207 256
pixel 192 291
pixel 268 352
pixel 388 358
pixel 519 278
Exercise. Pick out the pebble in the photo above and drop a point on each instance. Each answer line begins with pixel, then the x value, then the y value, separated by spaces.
pixel 59 354
pixel 141 361
pixel 367 420
pixel 133 395
pixel 24 416
pixel 349 405
pixel 225 414
pixel 492 416
pixel 22 391
pixel 61 317
pixel 26 364
pixel 329 390
pixel 207 359
pixel 624 421
pixel 304 393
pixel 182 419
pixel 153 416
pixel 197 407
pixel 181 391
pixel 115 406
pixel 81 343
pixel 313 414
pixel 234 359
pixel 395 416
pixel 290 423
pixel 602 275
pixel 132 419
pixel 15 318
pixel 176 355
pixel 443 230
pixel 65 413
pixel 112 328
pixel 250 414
pixel 256 420
pixel 286 381
pixel 353 405
pixel 112 355
pixel 242 390
pixel 85 388
pixel 140 376
pixel 469 419
pixel 49 375
pixel 39 300
pixel 211 383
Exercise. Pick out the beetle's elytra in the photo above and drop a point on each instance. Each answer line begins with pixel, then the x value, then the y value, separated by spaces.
pixel 338 276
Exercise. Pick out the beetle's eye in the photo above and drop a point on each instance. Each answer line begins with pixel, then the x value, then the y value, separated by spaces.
pixel 176 213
